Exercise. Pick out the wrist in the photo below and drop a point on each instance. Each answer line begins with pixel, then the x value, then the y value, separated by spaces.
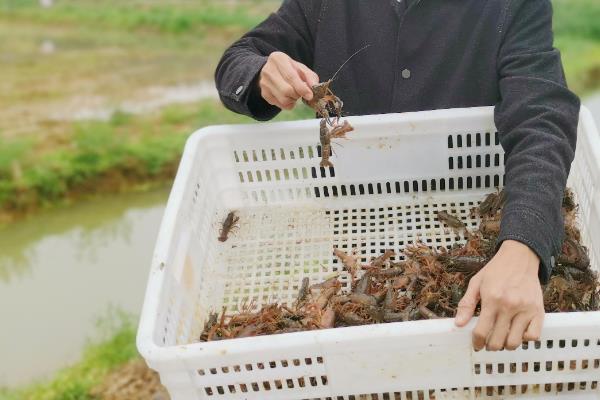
pixel 523 252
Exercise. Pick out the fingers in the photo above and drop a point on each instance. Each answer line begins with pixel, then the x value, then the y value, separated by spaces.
pixel 484 326
pixel 291 76
pixel 273 88
pixel 466 306
pixel 511 300
pixel 517 330
pixel 283 81
pixel 534 330
pixel 500 331
pixel 285 96
pixel 523 327
pixel 307 74
pixel 508 331
pixel 273 100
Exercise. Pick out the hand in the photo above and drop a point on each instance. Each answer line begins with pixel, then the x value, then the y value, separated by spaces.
pixel 512 305
pixel 283 81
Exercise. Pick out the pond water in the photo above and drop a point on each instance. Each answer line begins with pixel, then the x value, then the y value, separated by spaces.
pixel 61 270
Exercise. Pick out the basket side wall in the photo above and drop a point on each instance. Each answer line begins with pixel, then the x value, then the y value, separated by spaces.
pixel 584 179
pixel 399 155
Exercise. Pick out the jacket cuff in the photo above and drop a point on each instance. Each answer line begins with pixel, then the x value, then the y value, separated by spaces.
pixel 527 227
pixel 243 95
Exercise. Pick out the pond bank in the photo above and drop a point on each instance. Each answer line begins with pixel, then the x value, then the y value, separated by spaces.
pixel 99 157
pixel 77 382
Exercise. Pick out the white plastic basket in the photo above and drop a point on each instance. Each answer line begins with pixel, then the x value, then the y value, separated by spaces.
pixel 389 179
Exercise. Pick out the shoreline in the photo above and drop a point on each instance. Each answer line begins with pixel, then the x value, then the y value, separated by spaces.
pixel 112 182
pixel 127 153
pixel 133 173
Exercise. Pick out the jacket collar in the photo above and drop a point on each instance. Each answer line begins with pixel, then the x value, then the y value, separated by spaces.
pixel 400 6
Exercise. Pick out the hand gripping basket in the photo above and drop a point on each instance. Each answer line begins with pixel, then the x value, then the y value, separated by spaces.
pixel 389 180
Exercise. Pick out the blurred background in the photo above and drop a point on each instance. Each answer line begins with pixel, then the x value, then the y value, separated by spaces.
pixel 97 98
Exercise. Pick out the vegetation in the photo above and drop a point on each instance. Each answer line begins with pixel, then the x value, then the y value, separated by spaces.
pixel 577 35
pixel 114 155
pixel 74 383
pixel 49 155
pixel 177 16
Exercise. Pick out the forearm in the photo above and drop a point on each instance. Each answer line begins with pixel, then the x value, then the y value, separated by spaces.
pixel 537 121
pixel 540 151
pixel 290 30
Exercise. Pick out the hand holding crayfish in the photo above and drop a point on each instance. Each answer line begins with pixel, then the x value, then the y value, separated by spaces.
pixel 283 81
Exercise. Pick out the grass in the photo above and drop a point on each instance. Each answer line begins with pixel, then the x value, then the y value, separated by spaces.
pixel 577 35
pixel 126 150
pixel 116 347
pixel 103 53
pixel 577 18
pixel 173 17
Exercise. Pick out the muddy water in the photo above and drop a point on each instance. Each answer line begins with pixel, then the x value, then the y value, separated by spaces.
pixel 61 270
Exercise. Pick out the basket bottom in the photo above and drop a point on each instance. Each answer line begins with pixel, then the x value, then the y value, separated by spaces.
pixel 273 248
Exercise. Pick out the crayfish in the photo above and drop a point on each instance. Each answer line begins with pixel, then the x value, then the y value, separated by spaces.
pixel 228 224
pixel 326 103
pixel 325 136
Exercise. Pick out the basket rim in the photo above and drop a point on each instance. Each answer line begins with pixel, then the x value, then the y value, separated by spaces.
pixel 567 323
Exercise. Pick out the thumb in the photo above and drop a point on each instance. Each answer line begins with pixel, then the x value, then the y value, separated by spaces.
pixel 466 306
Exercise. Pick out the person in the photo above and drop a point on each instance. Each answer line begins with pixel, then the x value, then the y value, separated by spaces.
pixel 436 54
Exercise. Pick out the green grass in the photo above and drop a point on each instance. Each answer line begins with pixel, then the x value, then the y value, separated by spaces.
pixel 174 17
pixel 577 35
pixel 73 383
pixel 581 60
pixel 577 18
pixel 130 148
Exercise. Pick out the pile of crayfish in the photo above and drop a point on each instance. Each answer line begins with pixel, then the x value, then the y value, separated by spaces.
pixel 422 283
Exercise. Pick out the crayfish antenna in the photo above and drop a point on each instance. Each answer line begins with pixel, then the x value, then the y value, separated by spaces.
pixel 346 62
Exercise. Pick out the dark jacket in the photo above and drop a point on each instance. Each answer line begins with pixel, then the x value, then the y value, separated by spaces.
pixel 434 54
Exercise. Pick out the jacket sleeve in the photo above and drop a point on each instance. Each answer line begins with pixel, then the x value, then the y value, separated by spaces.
pixel 290 30
pixel 537 120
